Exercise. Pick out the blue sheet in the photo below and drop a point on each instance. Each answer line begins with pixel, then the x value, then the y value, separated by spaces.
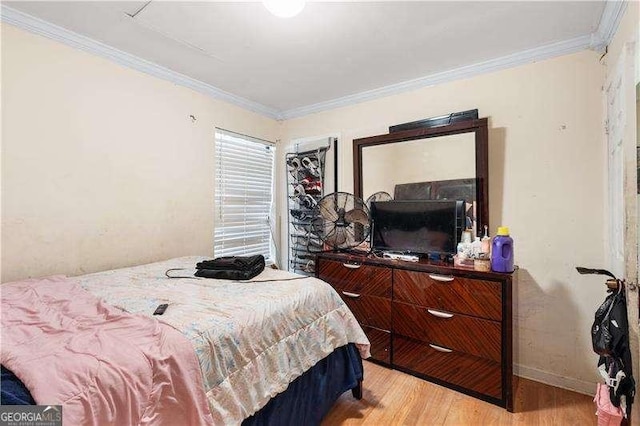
pixel 12 391
pixel 306 400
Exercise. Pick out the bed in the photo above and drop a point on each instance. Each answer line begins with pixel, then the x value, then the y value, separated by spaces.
pixel 279 349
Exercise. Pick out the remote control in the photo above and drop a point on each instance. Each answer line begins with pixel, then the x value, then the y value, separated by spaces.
pixel 160 309
pixel 399 256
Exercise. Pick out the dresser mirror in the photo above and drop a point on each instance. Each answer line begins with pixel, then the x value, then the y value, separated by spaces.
pixel 445 162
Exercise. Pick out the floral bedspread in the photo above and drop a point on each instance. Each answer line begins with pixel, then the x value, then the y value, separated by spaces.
pixel 251 338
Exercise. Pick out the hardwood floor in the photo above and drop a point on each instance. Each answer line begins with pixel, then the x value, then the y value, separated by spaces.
pixel 394 398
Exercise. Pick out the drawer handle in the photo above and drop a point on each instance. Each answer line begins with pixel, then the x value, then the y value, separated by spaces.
pixel 440 348
pixel 351 295
pixel 351 265
pixel 441 278
pixel 439 314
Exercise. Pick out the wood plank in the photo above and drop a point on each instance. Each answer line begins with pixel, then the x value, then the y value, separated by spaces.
pixel 376 385
pixel 394 398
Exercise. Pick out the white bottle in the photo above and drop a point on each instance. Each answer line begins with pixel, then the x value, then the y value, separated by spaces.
pixel 486 242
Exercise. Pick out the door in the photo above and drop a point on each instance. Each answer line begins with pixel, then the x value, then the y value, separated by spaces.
pixel 623 189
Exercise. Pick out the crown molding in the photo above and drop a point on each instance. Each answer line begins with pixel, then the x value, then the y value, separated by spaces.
pixel 609 21
pixel 70 38
pixel 598 40
pixel 520 58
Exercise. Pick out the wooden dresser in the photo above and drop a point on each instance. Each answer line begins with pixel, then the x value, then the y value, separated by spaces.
pixel 445 324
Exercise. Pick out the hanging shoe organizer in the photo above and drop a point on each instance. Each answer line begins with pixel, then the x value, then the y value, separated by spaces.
pixel 306 185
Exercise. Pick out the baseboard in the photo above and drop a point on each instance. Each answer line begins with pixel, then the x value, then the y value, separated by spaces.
pixel 569 383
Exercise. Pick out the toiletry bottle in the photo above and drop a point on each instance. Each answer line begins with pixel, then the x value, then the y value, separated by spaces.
pixel 464 246
pixel 502 251
pixel 486 242
pixel 476 247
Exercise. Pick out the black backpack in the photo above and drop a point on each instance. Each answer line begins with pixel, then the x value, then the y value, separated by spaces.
pixel 609 326
pixel 610 339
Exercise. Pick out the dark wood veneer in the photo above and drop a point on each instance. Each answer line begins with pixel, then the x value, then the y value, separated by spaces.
pixel 470 372
pixel 390 299
pixel 380 343
pixel 475 336
pixel 437 267
pixel 368 279
pixel 366 289
pixel 370 310
pixel 480 298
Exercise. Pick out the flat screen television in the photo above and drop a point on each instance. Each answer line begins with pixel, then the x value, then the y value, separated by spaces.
pixel 423 227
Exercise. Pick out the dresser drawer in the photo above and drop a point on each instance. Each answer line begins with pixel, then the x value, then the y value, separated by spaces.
pixel 470 372
pixel 380 343
pixel 359 278
pixel 471 335
pixel 369 310
pixel 449 293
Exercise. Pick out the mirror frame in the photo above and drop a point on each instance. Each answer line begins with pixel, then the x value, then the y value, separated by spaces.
pixel 477 126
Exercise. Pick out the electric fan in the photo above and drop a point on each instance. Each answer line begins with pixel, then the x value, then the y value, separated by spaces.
pixel 341 220
pixel 378 196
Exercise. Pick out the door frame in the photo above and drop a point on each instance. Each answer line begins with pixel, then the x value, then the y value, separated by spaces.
pixel 623 77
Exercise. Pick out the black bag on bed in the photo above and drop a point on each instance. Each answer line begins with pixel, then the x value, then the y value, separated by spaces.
pixel 231 267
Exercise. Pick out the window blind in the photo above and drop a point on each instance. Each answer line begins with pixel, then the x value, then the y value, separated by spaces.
pixel 244 195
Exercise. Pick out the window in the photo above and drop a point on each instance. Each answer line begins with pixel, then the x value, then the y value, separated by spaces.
pixel 244 195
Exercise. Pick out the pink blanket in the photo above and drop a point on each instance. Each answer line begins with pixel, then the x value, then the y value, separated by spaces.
pixel 103 365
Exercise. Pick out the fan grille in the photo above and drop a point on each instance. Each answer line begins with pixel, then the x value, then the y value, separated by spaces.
pixel 341 220
pixel 378 196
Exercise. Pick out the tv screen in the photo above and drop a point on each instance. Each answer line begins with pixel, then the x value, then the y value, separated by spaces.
pixel 417 226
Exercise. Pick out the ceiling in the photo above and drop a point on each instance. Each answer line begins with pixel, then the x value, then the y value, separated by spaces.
pixel 331 51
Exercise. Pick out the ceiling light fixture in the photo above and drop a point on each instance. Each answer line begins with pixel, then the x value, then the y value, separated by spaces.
pixel 284 8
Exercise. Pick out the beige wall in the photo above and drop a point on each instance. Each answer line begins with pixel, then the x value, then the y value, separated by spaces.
pixel 546 173
pixel 101 165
